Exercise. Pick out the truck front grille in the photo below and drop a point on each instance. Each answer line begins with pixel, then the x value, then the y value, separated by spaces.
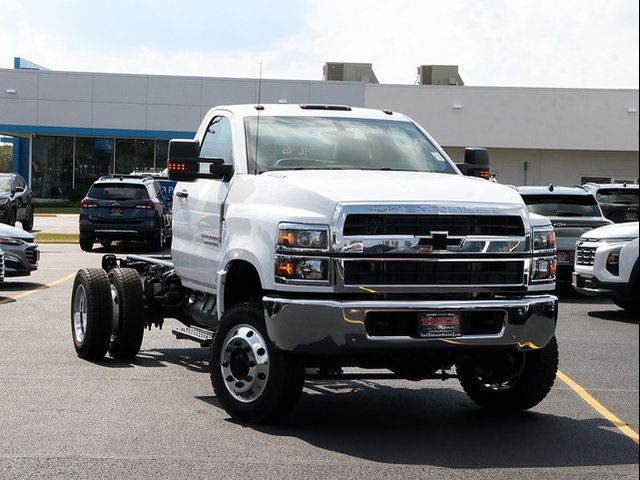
pixel 411 272
pixel 420 225
pixel 585 255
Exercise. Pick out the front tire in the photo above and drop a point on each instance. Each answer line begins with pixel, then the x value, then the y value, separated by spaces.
pixel 128 313
pixel 91 313
pixel 253 380
pixel 532 382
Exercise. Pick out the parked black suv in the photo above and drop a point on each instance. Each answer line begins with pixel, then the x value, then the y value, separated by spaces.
pixel 15 201
pixel 125 207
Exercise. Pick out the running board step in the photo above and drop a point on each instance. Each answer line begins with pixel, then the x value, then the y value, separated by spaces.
pixel 197 334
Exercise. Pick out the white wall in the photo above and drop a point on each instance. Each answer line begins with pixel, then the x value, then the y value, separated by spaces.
pixel 497 117
pixel 560 167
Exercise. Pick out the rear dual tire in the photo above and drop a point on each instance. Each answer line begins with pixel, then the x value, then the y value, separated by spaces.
pixel 107 313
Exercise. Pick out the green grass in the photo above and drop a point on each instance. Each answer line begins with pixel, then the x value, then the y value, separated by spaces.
pixel 44 237
pixel 56 210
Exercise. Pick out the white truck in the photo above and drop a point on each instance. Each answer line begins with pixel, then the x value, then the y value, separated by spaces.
pixel 607 264
pixel 313 238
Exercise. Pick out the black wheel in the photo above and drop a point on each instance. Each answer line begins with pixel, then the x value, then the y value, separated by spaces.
pixel 27 223
pixel 158 239
pixel 128 313
pixel 86 244
pixel 511 382
pixel 253 380
pixel 91 313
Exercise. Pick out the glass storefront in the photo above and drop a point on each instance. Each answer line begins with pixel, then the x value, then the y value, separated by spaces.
pixel 65 167
pixel 52 167
pixel 94 158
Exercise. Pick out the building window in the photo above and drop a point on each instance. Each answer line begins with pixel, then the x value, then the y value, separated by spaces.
pixel 94 158
pixel 134 155
pixel 52 167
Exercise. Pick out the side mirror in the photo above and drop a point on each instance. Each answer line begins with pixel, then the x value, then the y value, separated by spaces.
pixel 185 165
pixel 476 163
pixel 19 190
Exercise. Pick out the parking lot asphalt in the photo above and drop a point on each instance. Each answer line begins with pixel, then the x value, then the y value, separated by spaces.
pixel 157 417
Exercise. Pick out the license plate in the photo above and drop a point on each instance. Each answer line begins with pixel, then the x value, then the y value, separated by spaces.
pixel 564 256
pixel 115 212
pixel 631 216
pixel 439 325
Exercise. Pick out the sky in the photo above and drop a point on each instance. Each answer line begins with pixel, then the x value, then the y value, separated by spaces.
pixel 534 43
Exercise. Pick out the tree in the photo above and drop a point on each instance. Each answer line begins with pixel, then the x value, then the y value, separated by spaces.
pixel 6 157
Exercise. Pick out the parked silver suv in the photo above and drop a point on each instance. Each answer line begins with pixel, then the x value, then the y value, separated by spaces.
pixel 572 211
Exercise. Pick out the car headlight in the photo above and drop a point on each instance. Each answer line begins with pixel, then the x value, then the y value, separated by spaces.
pixel 613 262
pixel 4 201
pixel 544 240
pixel 10 241
pixel 295 237
pixel 302 270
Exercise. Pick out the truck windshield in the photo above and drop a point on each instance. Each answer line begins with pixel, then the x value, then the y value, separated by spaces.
pixel 562 205
pixel 324 143
pixel 618 195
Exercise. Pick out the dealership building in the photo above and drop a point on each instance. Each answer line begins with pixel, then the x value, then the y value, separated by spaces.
pixel 69 128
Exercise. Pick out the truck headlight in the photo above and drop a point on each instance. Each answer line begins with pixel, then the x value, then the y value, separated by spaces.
pixel 544 268
pixel 4 201
pixel 295 237
pixel 302 270
pixel 544 240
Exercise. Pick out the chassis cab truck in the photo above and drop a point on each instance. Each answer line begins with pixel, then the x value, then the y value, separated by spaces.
pixel 311 238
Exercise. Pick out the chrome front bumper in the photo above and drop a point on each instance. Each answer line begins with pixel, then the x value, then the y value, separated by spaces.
pixel 326 327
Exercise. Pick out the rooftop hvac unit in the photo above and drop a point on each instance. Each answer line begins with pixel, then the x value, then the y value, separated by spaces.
pixel 349 72
pixel 439 75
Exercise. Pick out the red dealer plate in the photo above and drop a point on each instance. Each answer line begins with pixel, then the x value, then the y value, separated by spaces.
pixel 439 325
pixel 115 212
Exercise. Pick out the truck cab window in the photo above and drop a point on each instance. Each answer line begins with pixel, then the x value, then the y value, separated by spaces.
pixel 217 141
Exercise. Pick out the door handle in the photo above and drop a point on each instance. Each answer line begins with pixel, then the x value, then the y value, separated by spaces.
pixel 182 194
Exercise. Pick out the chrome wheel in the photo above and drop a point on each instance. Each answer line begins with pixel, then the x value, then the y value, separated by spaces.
pixel 244 362
pixel 115 307
pixel 80 313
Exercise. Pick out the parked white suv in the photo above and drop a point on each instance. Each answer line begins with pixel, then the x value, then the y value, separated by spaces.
pixel 607 264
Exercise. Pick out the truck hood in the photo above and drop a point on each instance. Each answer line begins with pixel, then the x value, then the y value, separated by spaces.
pixel 386 186
pixel 618 230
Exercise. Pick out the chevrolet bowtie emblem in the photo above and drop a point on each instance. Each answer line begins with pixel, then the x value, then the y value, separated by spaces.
pixel 440 241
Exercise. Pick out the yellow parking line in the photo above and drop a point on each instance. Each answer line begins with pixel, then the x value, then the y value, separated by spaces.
pixel 37 289
pixel 598 407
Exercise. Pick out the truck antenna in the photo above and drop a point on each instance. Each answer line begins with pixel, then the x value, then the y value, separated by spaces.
pixel 259 108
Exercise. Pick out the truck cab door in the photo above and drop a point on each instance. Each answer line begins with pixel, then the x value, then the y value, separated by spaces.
pixel 197 214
